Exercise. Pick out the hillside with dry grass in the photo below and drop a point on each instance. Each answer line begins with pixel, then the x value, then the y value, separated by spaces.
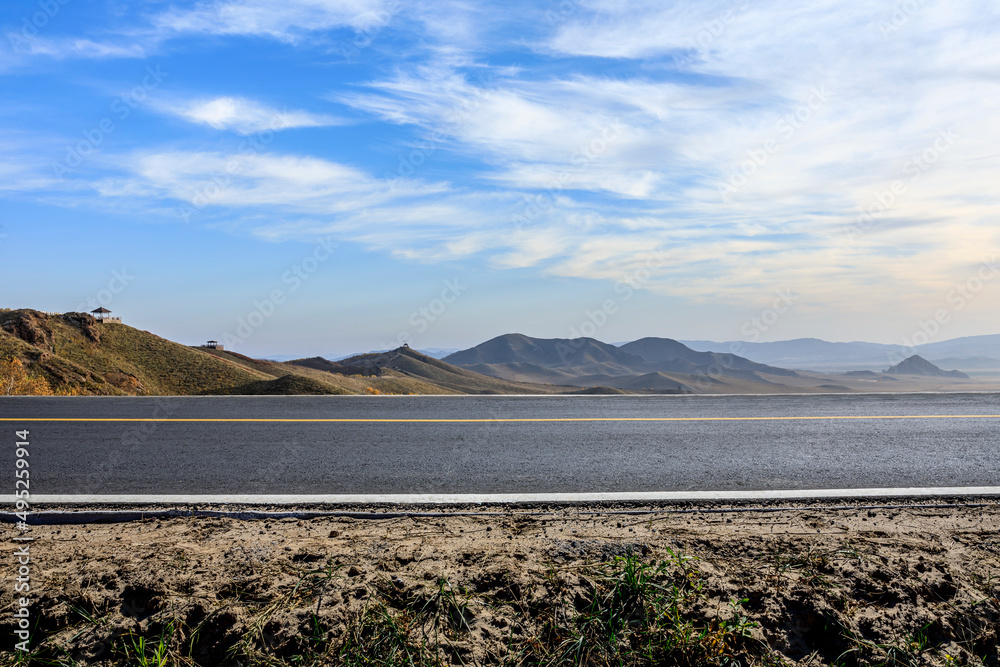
pixel 73 353
pixel 74 350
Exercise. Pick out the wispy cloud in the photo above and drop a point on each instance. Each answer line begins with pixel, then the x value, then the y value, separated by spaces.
pixel 750 134
pixel 289 21
pixel 80 48
pixel 285 20
pixel 251 179
pixel 534 134
pixel 245 116
pixel 745 140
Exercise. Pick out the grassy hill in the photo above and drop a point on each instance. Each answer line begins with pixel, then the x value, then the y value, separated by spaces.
pixel 73 351
pixel 287 385
pixel 337 378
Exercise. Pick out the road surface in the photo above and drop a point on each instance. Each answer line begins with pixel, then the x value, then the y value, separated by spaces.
pixel 504 445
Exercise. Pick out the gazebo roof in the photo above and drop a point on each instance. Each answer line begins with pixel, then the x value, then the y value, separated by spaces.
pixel 102 309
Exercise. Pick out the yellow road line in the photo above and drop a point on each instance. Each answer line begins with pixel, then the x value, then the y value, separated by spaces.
pixel 391 420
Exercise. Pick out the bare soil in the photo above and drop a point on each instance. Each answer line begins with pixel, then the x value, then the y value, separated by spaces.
pixel 819 585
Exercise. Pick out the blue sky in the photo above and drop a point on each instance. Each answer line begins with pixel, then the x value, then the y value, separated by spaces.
pixel 309 177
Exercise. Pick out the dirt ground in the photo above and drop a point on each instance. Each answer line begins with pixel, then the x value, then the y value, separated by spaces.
pixel 849 584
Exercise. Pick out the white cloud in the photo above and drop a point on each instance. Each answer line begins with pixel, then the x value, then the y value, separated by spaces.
pixel 285 20
pixel 15 178
pixel 841 97
pixel 25 163
pixel 62 49
pixel 251 179
pixel 540 135
pixel 289 21
pixel 245 116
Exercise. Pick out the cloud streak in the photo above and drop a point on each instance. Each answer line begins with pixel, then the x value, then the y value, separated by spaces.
pixel 284 20
pixel 243 116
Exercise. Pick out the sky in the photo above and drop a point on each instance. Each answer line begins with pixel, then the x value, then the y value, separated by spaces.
pixel 300 177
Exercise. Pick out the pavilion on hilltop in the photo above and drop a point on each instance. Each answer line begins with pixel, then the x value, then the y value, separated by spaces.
pixel 102 314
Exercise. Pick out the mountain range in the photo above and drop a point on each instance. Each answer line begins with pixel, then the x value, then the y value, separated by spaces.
pixel 663 365
pixel 654 364
pixel 969 353
pixel 75 353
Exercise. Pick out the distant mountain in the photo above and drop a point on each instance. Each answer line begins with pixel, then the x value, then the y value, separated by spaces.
pixel 666 363
pixel 965 347
pixel 660 350
pixel 578 356
pixel 418 366
pixel 917 365
pixel 820 355
pixel 806 353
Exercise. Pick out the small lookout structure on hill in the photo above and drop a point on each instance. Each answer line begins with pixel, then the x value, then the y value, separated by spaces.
pixel 102 314
pixel 213 345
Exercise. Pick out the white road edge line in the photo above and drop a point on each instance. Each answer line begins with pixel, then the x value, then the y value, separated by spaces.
pixel 485 498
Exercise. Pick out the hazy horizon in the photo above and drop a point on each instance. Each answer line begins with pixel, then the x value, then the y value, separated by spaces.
pixel 338 177
pixel 731 346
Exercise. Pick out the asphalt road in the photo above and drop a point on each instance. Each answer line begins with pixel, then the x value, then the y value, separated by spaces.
pixel 630 444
